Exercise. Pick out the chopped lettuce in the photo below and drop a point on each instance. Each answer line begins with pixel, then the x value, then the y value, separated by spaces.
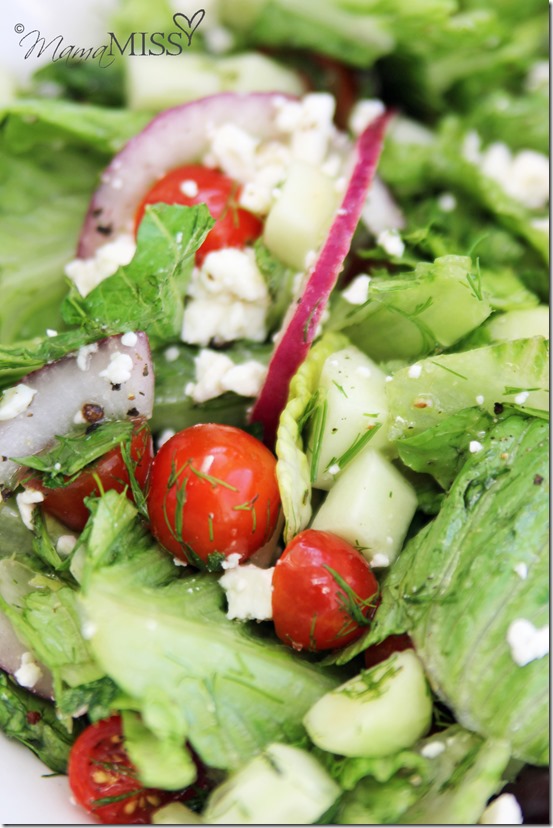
pixel 478 567
pixel 446 780
pixel 293 467
pixel 166 642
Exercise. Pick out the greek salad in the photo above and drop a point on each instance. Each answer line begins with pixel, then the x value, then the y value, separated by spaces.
pixel 274 415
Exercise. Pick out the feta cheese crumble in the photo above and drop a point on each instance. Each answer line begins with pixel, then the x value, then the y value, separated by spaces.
pixel 432 749
pixel 119 369
pixel 189 188
pixel 415 371
pixel 129 339
pixel 504 810
pixel 15 401
pixel 249 592
pixel 357 292
pixel 527 643
pixel 88 273
pixel 379 559
pixel 84 354
pixel 364 113
pixel 521 570
pixel 65 545
pixel 391 242
pixel 216 374
pixel 29 672
pixel 26 503
pixel 475 446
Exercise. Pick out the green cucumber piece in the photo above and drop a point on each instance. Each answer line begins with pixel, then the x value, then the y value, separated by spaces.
pixel 352 392
pixel 282 786
pixel 371 506
pixel 519 324
pixel 377 713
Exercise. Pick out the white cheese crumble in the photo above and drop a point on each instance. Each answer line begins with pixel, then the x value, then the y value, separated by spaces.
pixel 189 188
pixel 129 339
pixel 84 354
pixel 216 374
pixel 357 292
pixel 231 561
pixel 29 672
pixel 228 299
pixel 334 469
pixel 232 149
pixel 66 544
pixel 379 559
pixel 524 176
pixel 447 202
pixel 171 354
pixel 119 369
pixel 391 242
pixel 504 810
pixel 88 630
pixel 475 446
pixel 480 399
pixel 15 401
pixel 249 592
pixel 521 570
pixel 527 643
pixel 88 273
pixel 364 113
pixel 26 503
pixel 415 371
pixel 521 398
pixel 432 749
pixel 50 332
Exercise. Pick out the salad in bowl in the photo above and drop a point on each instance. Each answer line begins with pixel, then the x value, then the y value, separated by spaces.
pixel 274 415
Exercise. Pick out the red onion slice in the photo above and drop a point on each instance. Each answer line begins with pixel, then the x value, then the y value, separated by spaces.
pixel 111 379
pixel 178 136
pixel 298 335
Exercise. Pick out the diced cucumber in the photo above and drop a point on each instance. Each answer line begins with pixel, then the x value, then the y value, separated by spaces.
pixel 170 80
pixel 515 372
pixel 371 506
pixel 351 391
pixel 519 324
pixel 175 813
pixel 377 713
pixel 299 219
pixel 408 316
pixel 282 786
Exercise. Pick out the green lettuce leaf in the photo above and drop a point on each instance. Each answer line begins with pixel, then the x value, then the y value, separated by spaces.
pixel 168 645
pixel 293 467
pixel 478 567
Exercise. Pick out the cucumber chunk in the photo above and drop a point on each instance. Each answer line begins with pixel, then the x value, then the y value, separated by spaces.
pixel 514 372
pixel 352 392
pixel 175 813
pixel 377 713
pixel 520 324
pixel 371 506
pixel 299 219
pixel 282 786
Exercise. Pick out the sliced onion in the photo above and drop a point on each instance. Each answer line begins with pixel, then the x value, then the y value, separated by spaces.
pixel 72 390
pixel 178 136
pixel 296 339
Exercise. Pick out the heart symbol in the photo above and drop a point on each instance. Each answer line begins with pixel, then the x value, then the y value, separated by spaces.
pixel 191 26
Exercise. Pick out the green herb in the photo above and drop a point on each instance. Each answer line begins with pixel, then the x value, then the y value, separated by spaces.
pixel 358 444
pixel 319 423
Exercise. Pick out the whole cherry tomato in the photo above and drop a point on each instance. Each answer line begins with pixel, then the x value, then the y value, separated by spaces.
pixel 324 592
pixel 213 493
pixel 194 184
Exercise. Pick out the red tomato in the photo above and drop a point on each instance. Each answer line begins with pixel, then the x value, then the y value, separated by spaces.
pixel 234 226
pixel 104 781
pixel 380 652
pixel 67 504
pixel 324 591
pixel 213 492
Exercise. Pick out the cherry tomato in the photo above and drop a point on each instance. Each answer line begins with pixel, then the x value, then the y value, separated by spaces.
pixel 324 592
pixel 380 652
pixel 234 226
pixel 104 780
pixel 213 493
pixel 67 502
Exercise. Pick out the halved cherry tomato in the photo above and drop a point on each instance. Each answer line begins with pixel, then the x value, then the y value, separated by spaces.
pixel 104 780
pixel 67 503
pixel 380 652
pixel 213 493
pixel 324 592
pixel 194 184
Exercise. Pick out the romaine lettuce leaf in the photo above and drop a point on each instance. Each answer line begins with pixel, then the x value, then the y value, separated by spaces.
pixel 168 645
pixel 478 567
pixel 293 467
